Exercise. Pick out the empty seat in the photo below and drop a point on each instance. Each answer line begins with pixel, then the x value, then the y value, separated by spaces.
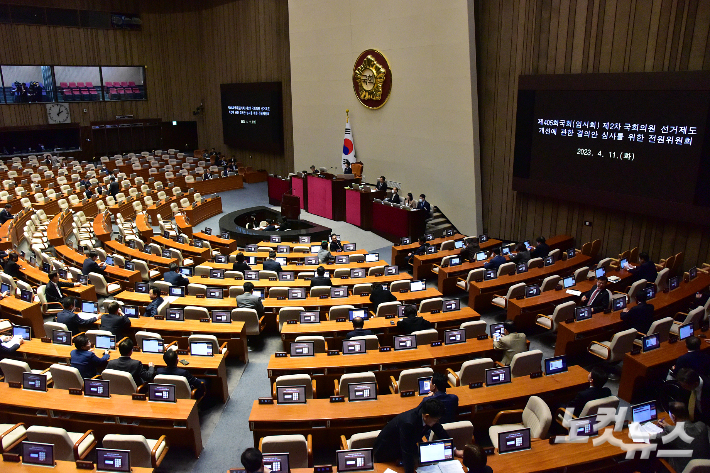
pixel 299 448
pixel 145 453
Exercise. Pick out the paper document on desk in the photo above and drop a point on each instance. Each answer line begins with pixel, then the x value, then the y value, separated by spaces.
pixel 613 278
pixel 87 315
pixel 451 466
pixel 573 292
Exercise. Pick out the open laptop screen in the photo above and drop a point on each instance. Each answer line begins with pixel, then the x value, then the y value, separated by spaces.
pixel 362 313
pixel 568 282
pixel 35 453
pixel 107 342
pixel 417 285
pixel 555 365
pixel 497 330
pixel 599 272
pixel 362 391
pixel 355 460
pixel 152 345
pixel 644 412
pixel 513 441
pixel 276 462
pixel 281 260
pixel 90 307
pixel 131 311
pixel 685 330
pixel 161 393
pixel 22 331
pixel 110 459
pixel 201 349
pixel 435 452
pixel 291 394
pixel 497 375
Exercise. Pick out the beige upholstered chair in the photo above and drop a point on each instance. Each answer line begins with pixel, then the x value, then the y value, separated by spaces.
pixel 475 275
pixel 68 446
pixel 289 313
pixel 182 388
pixel 319 344
pixel 461 432
pixel 590 408
pixel 635 289
pixel 253 324
pixel 407 380
pixel 536 416
pixel 121 381
pixel 615 349
pixel 472 371
pixel 425 337
pixel 506 269
pixel 561 313
pixel 525 363
pixel 145 453
pixel 339 311
pixel 387 308
pixel 11 435
pixel 514 291
pixel 662 327
pixel 361 440
pixel 216 348
pixel 298 447
pixel 13 369
pixel 427 305
pixel 372 343
pixel 549 283
pixel 66 377
pixel 296 380
pixel 681 318
pixel 102 287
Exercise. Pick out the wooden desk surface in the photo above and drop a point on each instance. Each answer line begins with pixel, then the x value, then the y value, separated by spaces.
pixel 39 277
pixel 435 241
pixel 216 240
pixel 302 267
pixel 59 467
pixel 188 250
pixel 292 244
pixel 351 300
pixel 229 282
pixel 298 256
pixel 151 259
pixel 123 276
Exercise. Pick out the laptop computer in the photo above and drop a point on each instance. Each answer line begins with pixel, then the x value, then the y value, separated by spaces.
pixel 555 365
pixel 176 291
pixel 496 376
pixel 201 349
pixel 315 248
pixel 177 315
pixel 458 244
pixel 152 345
pixel 480 256
pixel 186 271
pixel 23 331
pixel 685 331
pixel 362 391
pixel 372 257
pixel 258 293
pixel 112 459
pixel 424 384
pixel 109 260
pixel 36 453
pixel 221 316
pixel 96 387
pixel 106 342
pixel 455 261
pixel 437 451
pixel 513 441
pixel 582 313
pixel 302 349
pixel 61 337
pixel 359 459
pixel 645 414
pixel 505 251
pixel 569 282
pixel 405 342
pixel 290 394
pixel 276 462
pixel 354 347
pixel 651 342
pixel 161 392
pixel 417 285
pixel 34 381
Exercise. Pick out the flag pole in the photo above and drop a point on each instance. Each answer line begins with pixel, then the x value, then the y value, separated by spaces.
pixel 347 115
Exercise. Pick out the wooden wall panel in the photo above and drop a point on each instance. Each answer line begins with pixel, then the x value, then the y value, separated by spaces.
pixel 517 37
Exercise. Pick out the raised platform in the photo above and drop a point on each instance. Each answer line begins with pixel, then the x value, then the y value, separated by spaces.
pixel 235 223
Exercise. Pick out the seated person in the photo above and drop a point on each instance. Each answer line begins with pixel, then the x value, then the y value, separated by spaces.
pixel 596 390
pixel 174 277
pixel 423 245
pixel 645 270
pixel 640 316
pixel 239 264
pixel 597 297
pixel 10 344
pixel 83 359
pixel 381 184
pixel 423 204
pixel 170 358
pixel 439 383
pixel 115 321
pixel 12 267
pixel 52 291
pixel 250 301
pixel 253 460
pixel 512 341
pixel 348 168
pixel 92 265
pixel 358 330
pixel 6 214
pixel 412 322
pixel 475 459
pixel 697 360
pixel 271 227
pixel 320 279
pixel 699 393
pixel 271 264
pixel 521 255
pixel 335 244
pixel 324 255
pixel 496 261
pixel 695 430
pixel 380 295
pixel 409 201
pixel 541 248
pixel 468 252
pixel 138 370
pixel 313 169
pixel 71 319
pixel 156 300
pixel 394 198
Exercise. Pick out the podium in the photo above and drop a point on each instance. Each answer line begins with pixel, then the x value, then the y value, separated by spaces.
pixel 326 196
pixel 291 206
pixel 358 207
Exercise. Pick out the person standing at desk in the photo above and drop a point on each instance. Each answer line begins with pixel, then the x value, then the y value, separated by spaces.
pixel 379 296
pixel 496 261
pixel 412 322
pixel 423 204
pixel 91 265
pixel 173 277
pixel 113 188
pixel 71 319
pixel 541 248
pixel 335 244
pixel 597 297
pixel 512 342
pixel 324 255
pixel 348 168
pixel 271 264
pixel 5 214
pixel 314 171
pixel 439 383
pixel 645 270
pixel 85 360
pixel 381 184
pixel 640 316
pixel 239 264
pixel 398 439
pixel 320 279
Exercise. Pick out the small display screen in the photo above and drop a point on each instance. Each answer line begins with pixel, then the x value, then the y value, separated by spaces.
pixel 371 257
pixel 338 292
pixel 310 317
pixel 342 259
pixel 221 316
pixel 142 288
pixel 90 307
pixel 287 276
pixel 651 342
pixel 424 385
pixel 61 337
pixel 214 293
pixel 645 412
pixel 582 313
pixel 498 376
pixel 96 387
pixel 405 342
pixel 362 391
pixel 108 459
pixel 513 441
pixel 201 349
pixel 302 349
pixel 685 331
pixel 355 460
pixel 351 347
pixel 152 345
pixel 435 452
pixel 417 285
pixel 357 273
pixel 276 462
pixel 555 365
pixel 34 453
pixel 161 393
pixel 176 291
pixel 362 313
pixel 22 331
pixel 297 293
pixel 454 336
pixel 291 394
pixel 34 382
pixel 131 311
pixel 217 273
pixel 175 314
pixel 106 342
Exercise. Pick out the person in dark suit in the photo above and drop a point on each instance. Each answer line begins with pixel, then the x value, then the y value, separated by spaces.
pixel 521 255
pixel 91 265
pixel 113 188
pixel 52 291
pixel 468 252
pixel 313 169
pixel 171 360
pixel 271 227
pixel 12 267
pixel 695 430
pixel 174 277
pixel 348 168
pixel 640 316
pixel 645 270
pixel 252 460
pixel 412 322
pixel 699 393
pixel 695 359
pixel 596 390
pixel 335 244
pixel 239 264
pixel 381 184
pixel 141 374
pixel 320 279
pixel 423 204
pixel 12 348
pixel 541 248
pixel 5 214
pixel 439 383
pixel 271 264
pixel 399 437
pixel 597 297
pixel 475 459
pixel 379 295
pixel 88 193
pixel 358 330
pixel 71 319
pixel 115 321
pixel 394 198
pixel 85 360
pixel 496 261
pixel 423 245
pixel 151 309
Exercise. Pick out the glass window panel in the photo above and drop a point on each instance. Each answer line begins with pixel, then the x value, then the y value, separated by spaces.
pixel 23 84
pixel 77 83
pixel 124 83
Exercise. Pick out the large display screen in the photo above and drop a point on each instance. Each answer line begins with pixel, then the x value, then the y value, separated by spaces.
pixel 252 116
pixel 633 142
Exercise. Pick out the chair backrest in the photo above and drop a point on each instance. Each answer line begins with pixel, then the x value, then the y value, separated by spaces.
pixel 425 337
pixel 289 313
pixel 296 380
pixel 372 343
pixel 592 407
pixel 515 291
pixel 537 417
pixel 535 263
pixel 396 286
pixel 250 318
pixel 562 312
pixel 196 313
pixel 662 278
pixel 694 316
pixel 141 334
pixel 99 283
pixel 525 363
pixel 194 289
pixel 387 308
pixel 318 291
pixel 408 378
pixel 474 371
pixel 621 343
pixel 318 342
pixel 276 292
pixel 63 445
pixel 66 377
pixel 295 445
pixel 50 326
pixel 376 271
pixel 506 268
pixel 339 311
pixel 200 337
pixel 549 283
pixel 635 289
pixel 360 288
pixel 363 440
pixel 461 432
pixel 121 381
pixel 182 388
pixel 474 328
pixel 267 274
pixel 136 444
pixel 13 369
pixel 348 378
pixel 427 305
pixel 662 327
pixel 697 466
pixel 581 274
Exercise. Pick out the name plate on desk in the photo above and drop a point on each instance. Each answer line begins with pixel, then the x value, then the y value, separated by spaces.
pixel 15 458
pixel 323 296
pixel 266 400
pixel 402 291
pixel 636 350
pixel 333 352
pixel 570 320
pixel 14 384
pixel 204 276
pixel 280 354
pixel 340 319
pixel 299 264
pixel 204 320
pixel 408 393
pixel 75 391
pixel 84 465
pixel 489 450
pixel 385 349
pixel 136 349
pixel 280 298
pixel 520 298
pixel 536 374
pixel 390 316
pixel 159 317
pixel 436 343
pixel 182 352
pixel 475 385
pixel 435 311
pixel 138 397
pixel 672 338
pixel 482 337
pixel 364 294
pixel 337 398
pixel 292 322
pixel 272 278
pixel 46 340
pixel 323 469
pixel 200 296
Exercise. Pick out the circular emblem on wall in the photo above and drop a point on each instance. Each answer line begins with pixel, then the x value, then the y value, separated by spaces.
pixel 372 79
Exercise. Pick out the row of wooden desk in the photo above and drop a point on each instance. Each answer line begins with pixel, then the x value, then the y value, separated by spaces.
pixel 422 264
